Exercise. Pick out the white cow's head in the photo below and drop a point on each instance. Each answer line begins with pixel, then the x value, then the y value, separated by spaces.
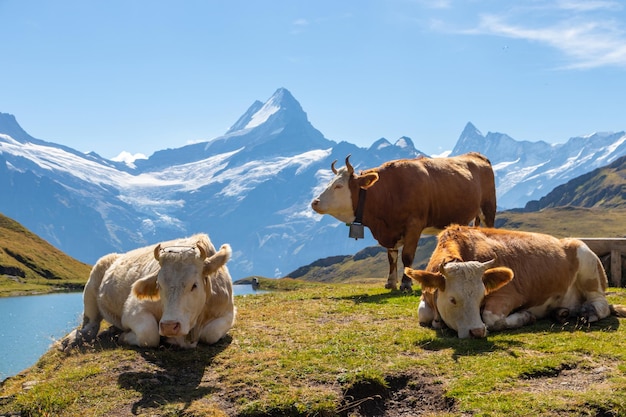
pixel 182 284
pixel 336 199
pixel 460 290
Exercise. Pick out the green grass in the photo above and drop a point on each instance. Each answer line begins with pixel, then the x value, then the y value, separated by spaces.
pixel 338 349
pixel 29 264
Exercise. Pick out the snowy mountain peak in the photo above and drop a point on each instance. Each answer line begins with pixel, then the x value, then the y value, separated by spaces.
pixel 405 142
pixel 471 130
pixel 241 123
pixel 278 126
pixel 470 134
pixel 10 127
pixel 281 105
pixel 380 144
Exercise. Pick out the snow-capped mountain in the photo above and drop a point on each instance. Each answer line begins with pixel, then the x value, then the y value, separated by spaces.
pixel 529 170
pixel 251 187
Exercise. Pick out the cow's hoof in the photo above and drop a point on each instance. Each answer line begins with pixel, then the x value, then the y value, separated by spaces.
pixel 391 286
pixel 561 315
pixel 76 338
pixel 438 324
pixel 529 318
pixel 588 313
pixel 69 341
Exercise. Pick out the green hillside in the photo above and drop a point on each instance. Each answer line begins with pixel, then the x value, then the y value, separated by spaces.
pixel 602 188
pixel 29 264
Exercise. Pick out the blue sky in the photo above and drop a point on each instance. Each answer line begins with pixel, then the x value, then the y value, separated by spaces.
pixel 140 76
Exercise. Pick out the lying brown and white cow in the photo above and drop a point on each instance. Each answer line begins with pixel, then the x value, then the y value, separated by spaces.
pixel 481 279
pixel 410 196
pixel 179 289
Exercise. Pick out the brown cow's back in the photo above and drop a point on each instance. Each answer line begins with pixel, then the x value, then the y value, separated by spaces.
pixel 428 193
pixel 544 266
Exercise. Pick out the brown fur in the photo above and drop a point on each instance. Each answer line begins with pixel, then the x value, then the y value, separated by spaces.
pixel 413 194
pixel 544 266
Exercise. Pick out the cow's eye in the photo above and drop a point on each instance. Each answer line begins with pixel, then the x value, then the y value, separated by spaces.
pixel 194 286
pixel 452 300
pixel 338 186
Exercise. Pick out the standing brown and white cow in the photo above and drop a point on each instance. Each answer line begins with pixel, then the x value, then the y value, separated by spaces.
pixel 481 279
pixel 179 289
pixel 409 196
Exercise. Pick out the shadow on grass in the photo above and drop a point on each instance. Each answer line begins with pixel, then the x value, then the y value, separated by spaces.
pixel 178 379
pixel 507 339
pixel 382 297
pixel 179 373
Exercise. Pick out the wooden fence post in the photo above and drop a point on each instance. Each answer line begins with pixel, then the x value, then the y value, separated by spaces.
pixel 616 268
pixel 613 246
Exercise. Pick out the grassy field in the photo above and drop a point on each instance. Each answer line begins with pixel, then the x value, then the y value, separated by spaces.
pixel 338 349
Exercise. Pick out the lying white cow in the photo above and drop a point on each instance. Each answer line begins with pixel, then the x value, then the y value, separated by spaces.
pixel 179 289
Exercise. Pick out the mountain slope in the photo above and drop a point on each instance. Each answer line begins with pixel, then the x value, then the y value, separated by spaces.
pixel 28 260
pixel 601 188
pixel 528 170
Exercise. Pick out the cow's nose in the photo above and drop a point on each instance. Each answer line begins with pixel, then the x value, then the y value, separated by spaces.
pixel 169 328
pixel 478 332
pixel 315 202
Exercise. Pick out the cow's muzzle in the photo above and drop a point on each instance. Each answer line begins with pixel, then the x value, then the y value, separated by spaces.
pixel 170 328
pixel 478 332
pixel 315 205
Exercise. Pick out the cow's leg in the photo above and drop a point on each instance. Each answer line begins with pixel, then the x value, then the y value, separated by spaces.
pixel 91 314
pixel 143 329
pixel 216 329
pixel 92 317
pixel 427 313
pixel 499 321
pixel 408 253
pixel 392 278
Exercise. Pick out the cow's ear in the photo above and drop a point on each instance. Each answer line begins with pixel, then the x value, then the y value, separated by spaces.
pixel 365 181
pixel 496 278
pixel 218 260
pixel 430 281
pixel 146 288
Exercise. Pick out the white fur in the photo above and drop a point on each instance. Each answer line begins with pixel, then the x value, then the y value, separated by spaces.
pixel 189 304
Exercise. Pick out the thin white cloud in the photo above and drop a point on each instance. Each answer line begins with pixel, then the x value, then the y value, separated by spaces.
pixel 435 4
pixel 588 5
pixel 298 26
pixel 300 22
pixel 587 43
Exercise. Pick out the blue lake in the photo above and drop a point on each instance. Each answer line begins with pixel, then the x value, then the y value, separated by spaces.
pixel 30 324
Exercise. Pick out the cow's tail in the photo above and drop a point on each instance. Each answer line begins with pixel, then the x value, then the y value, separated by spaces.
pixel 618 310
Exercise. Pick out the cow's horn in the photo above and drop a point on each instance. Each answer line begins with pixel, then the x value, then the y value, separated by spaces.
pixel 157 252
pixel 202 250
pixel 488 264
pixel 332 166
pixel 349 166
